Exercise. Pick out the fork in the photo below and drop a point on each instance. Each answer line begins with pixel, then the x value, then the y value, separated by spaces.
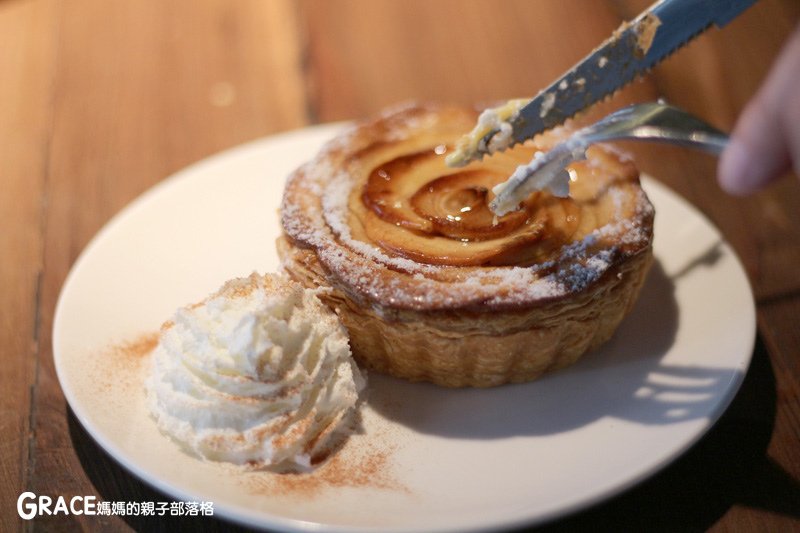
pixel 653 121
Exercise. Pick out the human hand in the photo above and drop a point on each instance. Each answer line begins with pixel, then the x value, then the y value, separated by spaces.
pixel 766 140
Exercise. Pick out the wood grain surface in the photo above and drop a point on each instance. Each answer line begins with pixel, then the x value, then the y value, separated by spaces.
pixel 100 100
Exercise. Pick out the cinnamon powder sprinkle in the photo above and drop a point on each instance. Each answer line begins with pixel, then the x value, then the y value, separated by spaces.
pixel 362 465
pixel 369 467
pixel 138 347
pixel 120 365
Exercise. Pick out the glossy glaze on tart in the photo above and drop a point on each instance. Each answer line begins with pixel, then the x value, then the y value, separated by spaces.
pixel 430 284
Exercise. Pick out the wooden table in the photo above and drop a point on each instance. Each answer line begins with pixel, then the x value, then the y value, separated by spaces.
pixel 100 100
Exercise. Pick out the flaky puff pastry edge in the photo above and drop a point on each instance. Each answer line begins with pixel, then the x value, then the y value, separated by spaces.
pixel 467 348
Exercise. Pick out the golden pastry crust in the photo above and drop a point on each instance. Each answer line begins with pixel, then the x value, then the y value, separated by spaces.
pixel 511 299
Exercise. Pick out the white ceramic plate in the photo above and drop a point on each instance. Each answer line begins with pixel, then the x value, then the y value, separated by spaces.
pixel 428 459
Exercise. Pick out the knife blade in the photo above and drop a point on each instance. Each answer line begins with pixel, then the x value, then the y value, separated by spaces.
pixel 632 49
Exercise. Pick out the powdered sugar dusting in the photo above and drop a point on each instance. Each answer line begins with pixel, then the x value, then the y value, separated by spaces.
pixel 315 215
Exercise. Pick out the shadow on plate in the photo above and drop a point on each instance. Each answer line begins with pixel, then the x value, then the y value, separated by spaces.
pixel 729 466
pixel 626 379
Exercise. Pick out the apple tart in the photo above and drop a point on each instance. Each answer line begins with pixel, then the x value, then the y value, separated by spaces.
pixel 430 284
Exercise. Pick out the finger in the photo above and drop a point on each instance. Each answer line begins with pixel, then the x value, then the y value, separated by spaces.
pixel 766 138
pixel 757 153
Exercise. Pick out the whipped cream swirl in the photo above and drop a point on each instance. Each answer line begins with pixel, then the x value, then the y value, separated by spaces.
pixel 259 373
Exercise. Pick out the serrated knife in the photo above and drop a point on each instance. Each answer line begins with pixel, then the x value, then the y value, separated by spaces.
pixel 632 49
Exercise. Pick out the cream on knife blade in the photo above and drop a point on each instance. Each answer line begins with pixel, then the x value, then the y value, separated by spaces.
pixel 631 50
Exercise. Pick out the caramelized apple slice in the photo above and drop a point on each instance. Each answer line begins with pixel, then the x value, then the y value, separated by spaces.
pixel 412 205
pixel 390 186
pixel 457 206
pixel 439 250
